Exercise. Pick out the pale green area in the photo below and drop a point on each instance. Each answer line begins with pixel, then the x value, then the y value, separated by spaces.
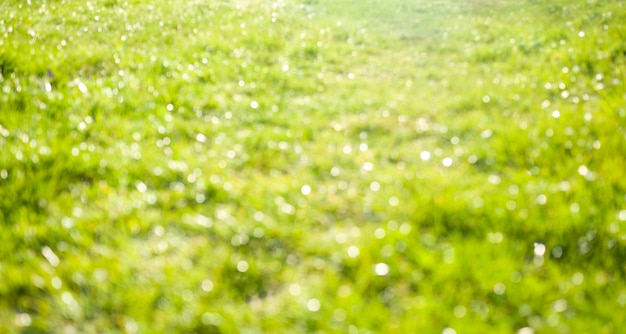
pixel 312 166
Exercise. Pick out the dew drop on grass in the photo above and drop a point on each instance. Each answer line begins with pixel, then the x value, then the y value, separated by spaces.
pixel 207 285
pixel 584 247
pixel 191 178
pixel 511 205
pixel 344 291
pixel 294 289
pixel 305 190
pixel 131 326
pixel 379 233
pixel 526 330
pixel 448 330
pixel 541 199
pixel 375 186
pixel 381 269
pixel 460 311
pixel 23 320
pixel 52 258
pixel 405 228
pixel 210 318
pixel 287 208
pixel 258 216
pixel 201 138
pixel 552 320
pixel 487 133
pixel 367 166
pixel 57 283
pixel 313 305
pixel 578 278
pixel 425 155
pixel 242 266
pixel 539 249
pixel 499 289
pixel 495 237
pixel 340 238
pixel 560 305
pixel 494 179
pixel 597 144
pixel 447 162
pixel 68 298
pixel 353 251
pixel 141 187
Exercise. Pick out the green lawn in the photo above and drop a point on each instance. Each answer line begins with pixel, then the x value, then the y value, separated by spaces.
pixel 399 166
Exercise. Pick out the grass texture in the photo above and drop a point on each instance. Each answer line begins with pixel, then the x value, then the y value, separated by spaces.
pixel 312 166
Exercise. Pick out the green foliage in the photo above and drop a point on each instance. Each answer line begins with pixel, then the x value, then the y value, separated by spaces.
pixel 312 166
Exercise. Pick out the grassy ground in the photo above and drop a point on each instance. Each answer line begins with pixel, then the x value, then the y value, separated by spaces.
pixel 312 166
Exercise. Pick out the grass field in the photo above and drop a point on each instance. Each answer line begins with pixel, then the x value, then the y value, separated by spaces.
pixel 399 166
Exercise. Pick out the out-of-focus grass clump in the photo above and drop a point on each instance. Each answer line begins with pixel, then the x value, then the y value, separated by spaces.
pixel 312 166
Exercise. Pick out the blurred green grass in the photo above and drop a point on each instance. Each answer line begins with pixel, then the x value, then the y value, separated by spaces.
pixel 312 166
